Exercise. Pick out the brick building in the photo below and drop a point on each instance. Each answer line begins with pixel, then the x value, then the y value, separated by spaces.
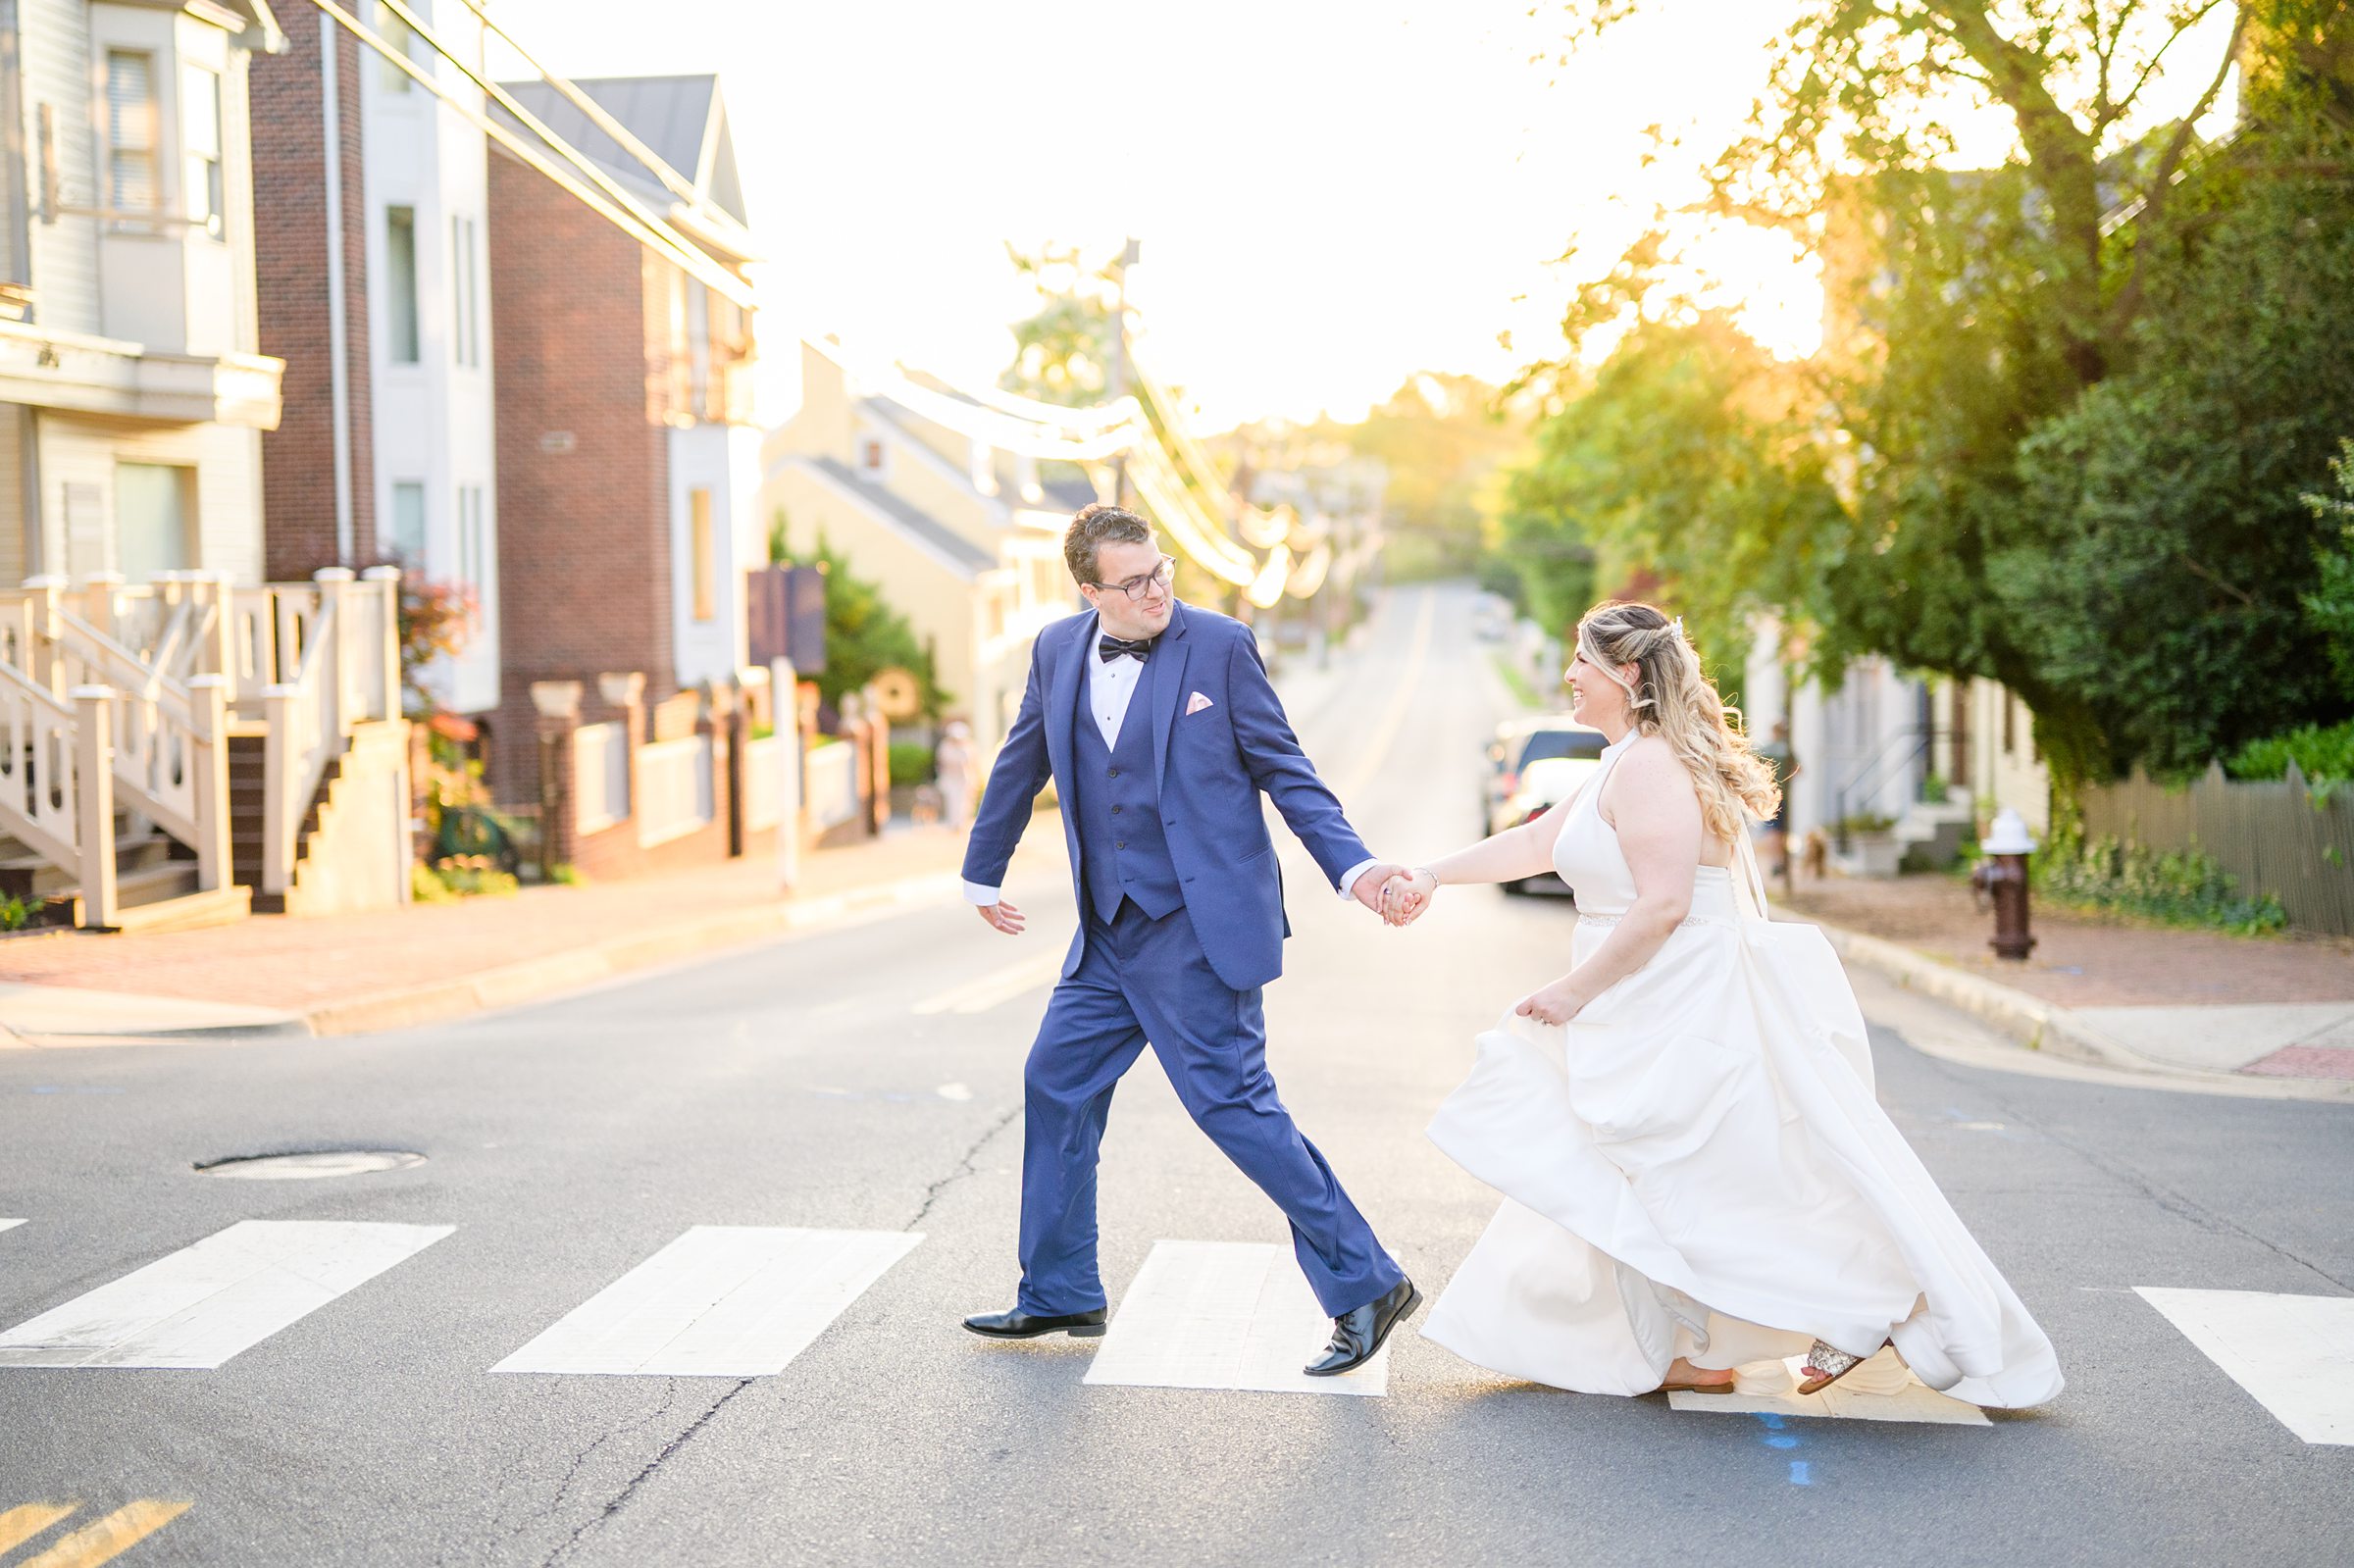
pixel 628 460
pixel 374 291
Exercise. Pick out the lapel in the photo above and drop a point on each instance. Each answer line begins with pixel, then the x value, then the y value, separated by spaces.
pixel 1063 695
pixel 1168 684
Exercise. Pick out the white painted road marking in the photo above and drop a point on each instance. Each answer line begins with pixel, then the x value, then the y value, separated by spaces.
pixel 2294 1354
pixel 1224 1315
pixel 10 1225
pixel 997 987
pixel 721 1301
pixel 205 1303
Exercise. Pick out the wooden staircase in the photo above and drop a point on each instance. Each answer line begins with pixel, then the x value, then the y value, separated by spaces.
pixel 155 885
pixel 248 784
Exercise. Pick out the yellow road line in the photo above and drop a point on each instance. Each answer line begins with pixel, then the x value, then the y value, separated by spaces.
pixel 1393 720
pixel 27 1520
pixel 111 1536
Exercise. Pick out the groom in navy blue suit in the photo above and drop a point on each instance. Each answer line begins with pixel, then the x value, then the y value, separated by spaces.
pixel 1160 731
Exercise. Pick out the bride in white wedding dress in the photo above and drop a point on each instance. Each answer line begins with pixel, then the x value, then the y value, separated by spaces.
pixel 1696 1176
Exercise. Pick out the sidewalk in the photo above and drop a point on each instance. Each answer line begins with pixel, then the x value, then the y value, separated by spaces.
pixel 2174 1001
pixel 348 974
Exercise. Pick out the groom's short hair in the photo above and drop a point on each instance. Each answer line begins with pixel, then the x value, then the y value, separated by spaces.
pixel 1094 527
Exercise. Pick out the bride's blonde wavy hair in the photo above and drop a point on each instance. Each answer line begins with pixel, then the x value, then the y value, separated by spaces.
pixel 1671 698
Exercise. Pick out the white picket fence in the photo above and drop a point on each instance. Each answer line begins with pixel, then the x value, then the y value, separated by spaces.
pixel 831 782
pixel 678 793
pixel 601 772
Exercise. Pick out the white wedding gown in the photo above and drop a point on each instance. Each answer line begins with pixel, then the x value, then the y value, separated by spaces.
pixel 1696 1166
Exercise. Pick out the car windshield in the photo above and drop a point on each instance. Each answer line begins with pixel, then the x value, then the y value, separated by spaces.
pixel 1544 743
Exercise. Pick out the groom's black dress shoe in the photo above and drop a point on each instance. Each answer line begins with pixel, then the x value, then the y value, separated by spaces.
pixel 1358 1332
pixel 1020 1325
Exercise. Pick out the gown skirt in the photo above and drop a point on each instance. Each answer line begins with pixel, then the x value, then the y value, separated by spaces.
pixel 1696 1166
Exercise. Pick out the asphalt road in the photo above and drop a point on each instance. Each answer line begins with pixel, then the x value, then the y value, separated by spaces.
pixel 830 1082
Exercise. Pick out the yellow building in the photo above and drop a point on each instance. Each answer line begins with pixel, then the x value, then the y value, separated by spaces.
pixel 964 540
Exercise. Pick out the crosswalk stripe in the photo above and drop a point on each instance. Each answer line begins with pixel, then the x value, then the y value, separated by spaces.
pixel 10 1225
pixel 108 1538
pixel 2293 1355
pixel 22 1523
pixel 1224 1315
pixel 206 1303
pixel 722 1300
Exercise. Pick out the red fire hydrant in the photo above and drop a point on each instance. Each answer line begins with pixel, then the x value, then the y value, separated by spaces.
pixel 2003 873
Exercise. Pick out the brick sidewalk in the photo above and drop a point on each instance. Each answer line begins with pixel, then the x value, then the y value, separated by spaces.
pixel 299 965
pixel 2080 961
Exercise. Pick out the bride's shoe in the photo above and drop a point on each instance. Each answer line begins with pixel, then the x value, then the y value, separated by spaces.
pixel 1826 1364
pixel 1684 1383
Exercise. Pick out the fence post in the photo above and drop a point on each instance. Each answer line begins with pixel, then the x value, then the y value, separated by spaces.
pixel 44 663
pixel 729 726
pixel 626 690
pixel 94 802
pixel 557 704
pixel 878 761
pixel 209 699
pixel 98 600
pixel 277 787
pixel 386 657
pixel 335 627
pixel 785 715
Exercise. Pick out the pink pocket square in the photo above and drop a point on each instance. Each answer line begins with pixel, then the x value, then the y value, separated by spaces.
pixel 1195 703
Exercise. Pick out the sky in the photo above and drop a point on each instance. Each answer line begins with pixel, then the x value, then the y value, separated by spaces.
pixel 1329 196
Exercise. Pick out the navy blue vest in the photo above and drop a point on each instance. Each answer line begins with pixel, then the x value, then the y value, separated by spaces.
pixel 1122 850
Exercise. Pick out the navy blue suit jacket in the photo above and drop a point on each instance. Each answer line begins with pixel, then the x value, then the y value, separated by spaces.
pixel 1211 766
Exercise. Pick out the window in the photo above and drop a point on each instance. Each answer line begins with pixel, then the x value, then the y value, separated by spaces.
pixel 871 456
pixel 473 547
pixel 404 40
pixel 707 556
pixel 155 518
pixel 408 525
pixel 400 283
pixel 465 293
pixel 2009 723
pixel 130 130
pixel 200 148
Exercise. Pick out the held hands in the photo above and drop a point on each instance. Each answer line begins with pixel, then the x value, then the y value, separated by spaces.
pixel 1407 897
pixel 1557 1003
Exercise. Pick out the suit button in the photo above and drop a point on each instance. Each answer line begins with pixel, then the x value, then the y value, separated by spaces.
pixel 1115 811
pixel 1120 843
pixel 1116 773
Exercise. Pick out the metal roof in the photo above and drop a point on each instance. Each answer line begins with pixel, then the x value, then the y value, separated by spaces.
pixel 920 525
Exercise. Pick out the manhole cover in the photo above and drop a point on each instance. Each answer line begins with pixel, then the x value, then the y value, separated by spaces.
pixel 313 1163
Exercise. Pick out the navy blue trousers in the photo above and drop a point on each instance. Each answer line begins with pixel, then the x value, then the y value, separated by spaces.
pixel 1141 981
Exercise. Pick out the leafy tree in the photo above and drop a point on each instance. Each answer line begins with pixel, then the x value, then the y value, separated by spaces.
pixel 1063 350
pixel 2331 602
pixel 1690 458
pixel 865 636
pixel 2054 395
pixel 1443 439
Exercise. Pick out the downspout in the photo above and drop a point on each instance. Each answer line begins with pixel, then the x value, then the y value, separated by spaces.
pixel 338 344
pixel 20 257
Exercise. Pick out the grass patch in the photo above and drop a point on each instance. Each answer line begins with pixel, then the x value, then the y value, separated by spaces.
pixel 1515 682
pixel 2184 889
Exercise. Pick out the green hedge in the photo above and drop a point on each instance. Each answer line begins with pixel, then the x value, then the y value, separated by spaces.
pixel 910 763
pixel 2323 753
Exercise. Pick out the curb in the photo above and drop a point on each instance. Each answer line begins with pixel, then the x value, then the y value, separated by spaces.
pixel 534 979
pixel 2037 1025
pixel 710 938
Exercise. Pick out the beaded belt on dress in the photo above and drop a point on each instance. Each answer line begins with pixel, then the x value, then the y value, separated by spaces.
pixel 1584 919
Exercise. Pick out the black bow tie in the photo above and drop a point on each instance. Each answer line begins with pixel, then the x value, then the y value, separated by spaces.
pixel 1112 648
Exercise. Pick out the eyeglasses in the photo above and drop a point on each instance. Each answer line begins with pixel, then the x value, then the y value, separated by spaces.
pixel 1158 578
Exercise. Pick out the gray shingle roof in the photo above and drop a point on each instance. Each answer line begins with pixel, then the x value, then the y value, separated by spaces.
pixel 671 115
pixel 917 522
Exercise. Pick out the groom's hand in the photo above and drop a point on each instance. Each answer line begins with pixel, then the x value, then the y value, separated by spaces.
pixel 1005 917
pixel 1367 890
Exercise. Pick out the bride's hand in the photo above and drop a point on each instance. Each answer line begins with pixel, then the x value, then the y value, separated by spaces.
pixel 1407 897
pixel 1557 1003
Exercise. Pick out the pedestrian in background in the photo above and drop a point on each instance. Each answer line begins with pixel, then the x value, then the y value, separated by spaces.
pixel 953 771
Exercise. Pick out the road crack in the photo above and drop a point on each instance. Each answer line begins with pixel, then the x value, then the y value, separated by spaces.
pixel 620 1498
pixel 963 1167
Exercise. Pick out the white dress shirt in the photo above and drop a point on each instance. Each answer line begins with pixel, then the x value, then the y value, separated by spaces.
pixel 1111 688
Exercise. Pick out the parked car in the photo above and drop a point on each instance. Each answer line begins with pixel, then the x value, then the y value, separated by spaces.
pixel 1534 765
